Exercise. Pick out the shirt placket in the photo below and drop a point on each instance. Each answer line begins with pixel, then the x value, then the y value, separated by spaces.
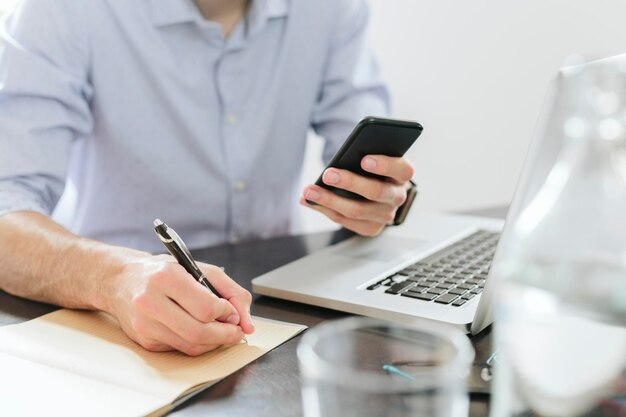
pixel 232 120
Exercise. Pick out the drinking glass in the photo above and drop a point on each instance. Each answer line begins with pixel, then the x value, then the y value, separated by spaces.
pixel 367 367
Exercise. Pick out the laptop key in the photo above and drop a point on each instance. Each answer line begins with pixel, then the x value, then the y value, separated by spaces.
pixel 415 290
pixel 457 291
pixel 459 302
pixel 425 296
pixel 397 277
pixel 445 285
pixel 466 286
pixel 400 286
pixel 446 298
pixel 374 285
pixel 419 288
pixel 468 296
pixel 436 290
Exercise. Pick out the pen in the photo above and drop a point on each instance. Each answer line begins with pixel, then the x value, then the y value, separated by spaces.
pixel 177 248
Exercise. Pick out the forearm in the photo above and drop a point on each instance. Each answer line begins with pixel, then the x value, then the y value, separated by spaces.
pixel 41 260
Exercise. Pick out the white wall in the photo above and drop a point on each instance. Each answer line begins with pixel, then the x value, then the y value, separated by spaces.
pixel 6 4
pixel 474 73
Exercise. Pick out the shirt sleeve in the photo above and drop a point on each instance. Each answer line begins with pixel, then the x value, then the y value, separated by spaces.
pixel 44 100
pixel 352 86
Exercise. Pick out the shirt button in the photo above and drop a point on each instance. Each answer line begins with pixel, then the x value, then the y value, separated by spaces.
pixel 240 185
pixel 231 119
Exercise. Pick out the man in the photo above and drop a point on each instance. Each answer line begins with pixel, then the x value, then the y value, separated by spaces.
pixel 194 112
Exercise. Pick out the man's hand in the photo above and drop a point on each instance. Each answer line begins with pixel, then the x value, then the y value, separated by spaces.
pixel 157 303
pixel 368 217
pixel 161 307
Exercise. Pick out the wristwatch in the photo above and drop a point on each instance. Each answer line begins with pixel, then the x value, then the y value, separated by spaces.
pixel 403 210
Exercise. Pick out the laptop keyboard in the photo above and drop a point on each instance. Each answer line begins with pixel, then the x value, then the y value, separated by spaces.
pixel 453 276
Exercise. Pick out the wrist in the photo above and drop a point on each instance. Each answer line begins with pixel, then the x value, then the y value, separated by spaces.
pixel 113 271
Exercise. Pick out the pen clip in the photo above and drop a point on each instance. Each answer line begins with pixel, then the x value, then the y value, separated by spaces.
pixel 183 248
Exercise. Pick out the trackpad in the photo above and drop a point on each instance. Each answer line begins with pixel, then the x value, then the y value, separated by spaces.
pixel 382 248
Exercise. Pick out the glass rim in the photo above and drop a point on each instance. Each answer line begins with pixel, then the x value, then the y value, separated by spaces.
pixel 311 364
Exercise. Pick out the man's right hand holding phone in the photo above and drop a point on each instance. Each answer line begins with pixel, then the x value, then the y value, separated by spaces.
pixel 383 197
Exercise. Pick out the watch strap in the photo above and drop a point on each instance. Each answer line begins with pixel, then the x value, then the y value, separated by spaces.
pixel 403 210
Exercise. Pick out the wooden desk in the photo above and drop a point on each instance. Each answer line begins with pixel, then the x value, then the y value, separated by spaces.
pixel 269 386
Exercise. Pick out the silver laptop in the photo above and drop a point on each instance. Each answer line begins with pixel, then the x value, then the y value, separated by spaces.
pixel 433 267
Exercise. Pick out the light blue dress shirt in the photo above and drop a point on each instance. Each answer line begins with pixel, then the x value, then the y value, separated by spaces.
pixel 142 109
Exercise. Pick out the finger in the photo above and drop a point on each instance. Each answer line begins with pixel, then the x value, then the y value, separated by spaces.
pixel 161 334
pixel 164 310
pixel 237 296
pixel 362 227
pixel 352 209
pixel 243 307
pixel 370 188
pixel 159 338
pixel 398 169
pixel 195 298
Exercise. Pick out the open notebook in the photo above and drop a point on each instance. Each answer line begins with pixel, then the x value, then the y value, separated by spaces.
pixel 79 363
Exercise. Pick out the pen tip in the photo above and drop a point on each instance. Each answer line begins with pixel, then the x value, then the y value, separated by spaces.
pixel 157 223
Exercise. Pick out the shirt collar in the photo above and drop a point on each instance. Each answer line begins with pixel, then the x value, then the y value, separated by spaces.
pixel 261 11
pixel 171 12
pixel 270 8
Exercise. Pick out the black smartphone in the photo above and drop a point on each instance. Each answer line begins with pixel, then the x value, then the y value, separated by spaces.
pixel 371 136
